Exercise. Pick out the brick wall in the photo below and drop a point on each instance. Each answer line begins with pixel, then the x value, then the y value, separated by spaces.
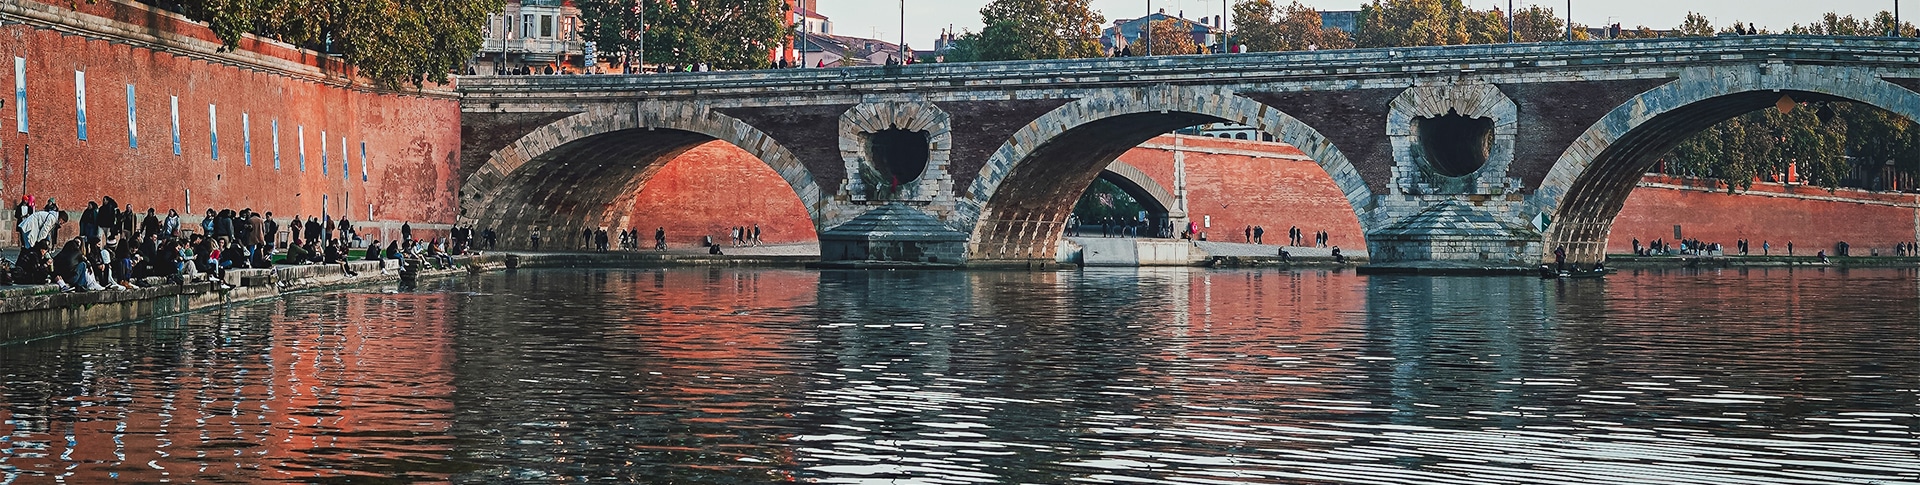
pixel 1239 183
pixel 411 141
pixel 714 187
pixel 1810 217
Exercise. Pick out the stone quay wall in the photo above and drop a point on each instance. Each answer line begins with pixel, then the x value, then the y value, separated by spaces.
pixel 142 105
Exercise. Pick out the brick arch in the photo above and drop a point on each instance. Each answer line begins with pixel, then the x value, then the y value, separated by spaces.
pixel 582 171
pixel 1588 185
pixel 1019 203
pixel 1139 185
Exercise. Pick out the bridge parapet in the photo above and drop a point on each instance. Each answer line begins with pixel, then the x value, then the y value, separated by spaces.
pixel 1316 66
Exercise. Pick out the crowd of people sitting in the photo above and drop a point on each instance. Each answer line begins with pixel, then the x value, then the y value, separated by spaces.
pixel 117 248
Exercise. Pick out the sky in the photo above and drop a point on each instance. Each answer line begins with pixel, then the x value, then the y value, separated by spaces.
pixel 926 18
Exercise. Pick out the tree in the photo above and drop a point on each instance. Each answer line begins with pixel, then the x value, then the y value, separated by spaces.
pixel 725 34
pixel 1256 26
pixel 1037 29
pixel 391 42
pixel 1538 24
pixel 1407 23
pixel 1696 25
pixel 1173 36
pixel 1301 29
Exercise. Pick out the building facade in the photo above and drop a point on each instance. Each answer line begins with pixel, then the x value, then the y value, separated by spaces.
pixel 535 37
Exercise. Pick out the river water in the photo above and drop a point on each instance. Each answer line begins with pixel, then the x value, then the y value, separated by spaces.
pixel 1099 376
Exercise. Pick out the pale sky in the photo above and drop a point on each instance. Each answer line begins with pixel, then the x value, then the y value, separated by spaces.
pixel 925 18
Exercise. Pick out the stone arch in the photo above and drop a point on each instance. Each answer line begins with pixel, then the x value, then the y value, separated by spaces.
pixel 858 125
pixel 580 172
pixel 1019 202
pixel 1588 185
pixel 1142 187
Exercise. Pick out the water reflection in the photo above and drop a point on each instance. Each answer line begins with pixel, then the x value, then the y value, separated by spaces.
pixel 1170 375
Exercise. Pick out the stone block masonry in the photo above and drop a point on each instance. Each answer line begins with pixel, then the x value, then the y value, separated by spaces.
pixel 249 123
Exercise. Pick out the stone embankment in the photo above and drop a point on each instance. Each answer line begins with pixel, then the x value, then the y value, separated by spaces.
pixel 36 312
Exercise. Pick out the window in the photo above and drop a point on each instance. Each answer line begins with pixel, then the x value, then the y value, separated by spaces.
pixel 546 26
pixel 526 25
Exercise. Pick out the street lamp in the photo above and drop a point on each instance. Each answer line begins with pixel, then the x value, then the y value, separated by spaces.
pixel 1510 36
pixel 903 32
pixel 1146 30
pixel 1569 20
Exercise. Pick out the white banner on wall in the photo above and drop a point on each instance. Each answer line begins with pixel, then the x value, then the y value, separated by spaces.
pixel 133 121
pixel 173 103
pixel 80 103
pixel 213 131
pixel 246 139
pixel 20 93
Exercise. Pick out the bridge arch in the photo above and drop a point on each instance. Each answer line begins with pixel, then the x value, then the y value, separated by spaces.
pixel 1021 199
pixel 582 171
pixel 1140 186
pixel 1589 184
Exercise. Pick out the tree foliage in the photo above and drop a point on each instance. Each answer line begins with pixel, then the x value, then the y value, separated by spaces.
pixel 392 42
pixel 1034 29
pixel 1408 23
pixel 724 34
pixel 1173 37
pixel 1265 27
pixel 1257 26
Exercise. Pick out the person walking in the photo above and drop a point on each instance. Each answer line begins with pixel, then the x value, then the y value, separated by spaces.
pixel 406 233
pixel 535 238
pixel 660 238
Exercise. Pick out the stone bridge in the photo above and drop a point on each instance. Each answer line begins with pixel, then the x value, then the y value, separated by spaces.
pixel 1487 155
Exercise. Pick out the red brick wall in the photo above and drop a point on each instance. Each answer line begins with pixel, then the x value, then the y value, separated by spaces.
pixel 1767 213
pixel 1238 190
pixel 717 186
pixel 412 141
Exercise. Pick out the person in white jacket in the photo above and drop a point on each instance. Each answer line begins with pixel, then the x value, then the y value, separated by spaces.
pixel 41 226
